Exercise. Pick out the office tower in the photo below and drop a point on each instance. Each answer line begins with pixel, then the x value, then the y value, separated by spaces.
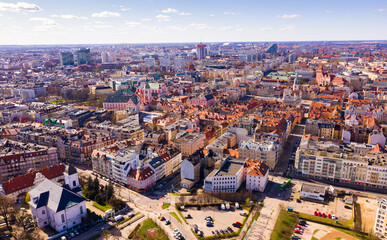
pixel 201 51
pixel 108 57
pixel 292 57
pixel 66 58
pixel 83 56
pixel 273 48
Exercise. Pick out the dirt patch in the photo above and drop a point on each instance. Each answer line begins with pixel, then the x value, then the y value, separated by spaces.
pixel 336 235
pixel 152 233
pixel 368 208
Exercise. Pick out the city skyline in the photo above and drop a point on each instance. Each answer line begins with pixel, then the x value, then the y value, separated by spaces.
pixel 98 22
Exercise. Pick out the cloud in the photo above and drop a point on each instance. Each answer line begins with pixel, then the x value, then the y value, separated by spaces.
pixel 163 18
pixel 169 10
pixel 133 23
pixel 381 10
pixel 105 14
pixel 289 16
pixel 124 9
pixel 19 7
pixel 67 16
pixel 176 28
pixel 146 19
pixel 225 28
pixel 231 13
pixel 328 11
pixel 45 21
pixel 265 29
pixel 199 26
pixel 184 14
pixel 288 28
pixel 212 15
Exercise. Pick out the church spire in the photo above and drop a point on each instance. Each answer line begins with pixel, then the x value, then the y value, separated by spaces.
pixel 296 83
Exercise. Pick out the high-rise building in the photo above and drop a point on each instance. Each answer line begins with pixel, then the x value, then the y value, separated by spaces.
pixel 83 56
pixel 66 58
pixel 201 51
pixel 273 48
pixel 380 228
pixel 108 57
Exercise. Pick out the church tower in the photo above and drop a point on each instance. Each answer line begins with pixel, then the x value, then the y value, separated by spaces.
pixel 296 84
pixel 71 178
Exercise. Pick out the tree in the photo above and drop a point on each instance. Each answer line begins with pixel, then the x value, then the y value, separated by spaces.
pixel 89 183
pixel 95 185
pixel 7 205
pixel 109 191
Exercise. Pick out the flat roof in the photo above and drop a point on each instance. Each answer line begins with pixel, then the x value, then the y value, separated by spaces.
pixel 312 188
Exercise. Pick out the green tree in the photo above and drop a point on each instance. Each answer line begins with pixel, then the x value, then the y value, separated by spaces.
pixel 109 191
pixel 89 183
pixel 95 185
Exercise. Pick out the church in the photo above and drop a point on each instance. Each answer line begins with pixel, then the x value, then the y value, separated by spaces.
pixel 294 96
pixel 59 206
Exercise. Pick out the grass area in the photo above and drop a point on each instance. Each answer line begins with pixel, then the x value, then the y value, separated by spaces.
pixel 165 205
pixel 175 216
pixel 285 225
pixel 181 215
pixel 102 207
pixel 327 221
pixel 148 230
pixel 313 238
pixel 355 234
pixel 175 194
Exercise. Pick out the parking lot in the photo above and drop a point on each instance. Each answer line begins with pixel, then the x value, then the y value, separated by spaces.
pixel 222 218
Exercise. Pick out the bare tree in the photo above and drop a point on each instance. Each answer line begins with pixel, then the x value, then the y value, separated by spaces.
pixel 6 208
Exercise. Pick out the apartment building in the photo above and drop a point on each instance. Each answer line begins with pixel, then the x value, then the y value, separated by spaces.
pixel 266 151
pixel 189 143
pixel 257 175
pixel 380 228
pixel 17 158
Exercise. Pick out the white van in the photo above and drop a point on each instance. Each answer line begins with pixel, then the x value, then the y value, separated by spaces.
pixel 222 206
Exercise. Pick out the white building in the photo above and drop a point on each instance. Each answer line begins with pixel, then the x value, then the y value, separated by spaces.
pixel 266 151
pixel 61 207
pixel 122 163
pixel 178 63
pixel 257 175
pixel 150 62
pixel 312 192
pixel 165 62
pixel 190 172
pixel 108 57
pixel 225 178
pixel 380 227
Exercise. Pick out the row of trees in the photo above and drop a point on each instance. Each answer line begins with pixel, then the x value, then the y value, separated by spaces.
pixel 93 190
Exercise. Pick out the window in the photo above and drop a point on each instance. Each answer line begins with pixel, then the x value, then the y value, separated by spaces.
pixel 43 212
pixel 81 209
pixel 63 218
pixel 74 183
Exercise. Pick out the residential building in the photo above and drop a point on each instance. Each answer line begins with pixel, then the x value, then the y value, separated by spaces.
pixel 257 175
pixel 380 228
pixel 206 100
pixel 190 172
pixel 267 151
pixel 158 166
pixel 190 143
pixel 201 51
pixel 141 179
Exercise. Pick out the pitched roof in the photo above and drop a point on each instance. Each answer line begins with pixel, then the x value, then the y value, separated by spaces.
pixel 27 180
pixel 55 197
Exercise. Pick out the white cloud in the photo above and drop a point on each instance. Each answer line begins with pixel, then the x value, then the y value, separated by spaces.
pixel 288 28
pixel 146 19
pixel 19 7
pixel 45 21
pixel 133 23
pixel 265 29
pixel 289 16
pixel 199 26
pixel 212 15
pixel 231 13
pixel 163 18
pixel 67 16
pixel 105 14
pixel 184 14
pixel 176 28
pixel 381 10
pixel 225 28
pixel 328 11
pixel 124 9
pixel 169 10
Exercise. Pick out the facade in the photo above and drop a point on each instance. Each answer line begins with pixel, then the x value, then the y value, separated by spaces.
pixel 227 178
pixel 266 151
pixel 189 143
pixel 122 163
pixel 147 91
pixel 81 150
pixel 141 179
pixel 201 51
pixel 380 228
pixel 257 175
pixel 66 58
pixel 83 56
pixel 190 172
pixel 58 206
pixel 158 166
pixel 17 158
pixel 206 100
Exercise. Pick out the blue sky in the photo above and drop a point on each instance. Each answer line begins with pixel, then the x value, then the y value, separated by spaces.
pixel 143 21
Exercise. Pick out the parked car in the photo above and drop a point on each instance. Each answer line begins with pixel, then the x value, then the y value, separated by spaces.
pixel 319 214
pixel 298 200
pixel 213 233
pixel 188 216
pixel 297 231
pixel 217 232
pixel 333 216
pixel 198 208
pixel 323 215
pixel 200 233
pixel 348 207
pixel 329 216
pixel 221 231
pixel 162 218
pixel 167 222
pixel 223 206
pixel 302 223
pixel 315 213
pixel 230 229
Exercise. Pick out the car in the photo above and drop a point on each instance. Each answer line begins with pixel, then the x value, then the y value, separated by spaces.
pixel 230 229
pixel 298 200
pixel 295 237
pixel 198 208
pixel 217 232
pixel 302 223
pixel 162 218
pixel 225 230
pixel 72 234
pixel 221 231
pixel 200 234
pixel 188 216
pixel 333 216
pixel 329 216
pixel 167 222
pixel 297 231
pixel 209 224
pixel 76 232
pixel 63 238
pixel 348 207
pixel 213 233
pixel 319 214
pixel 323 215
pixel 315 213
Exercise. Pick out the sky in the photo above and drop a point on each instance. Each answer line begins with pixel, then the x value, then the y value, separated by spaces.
pixel 161 21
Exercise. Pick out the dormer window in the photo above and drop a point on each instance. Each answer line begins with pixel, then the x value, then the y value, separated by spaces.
pixel 36 200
